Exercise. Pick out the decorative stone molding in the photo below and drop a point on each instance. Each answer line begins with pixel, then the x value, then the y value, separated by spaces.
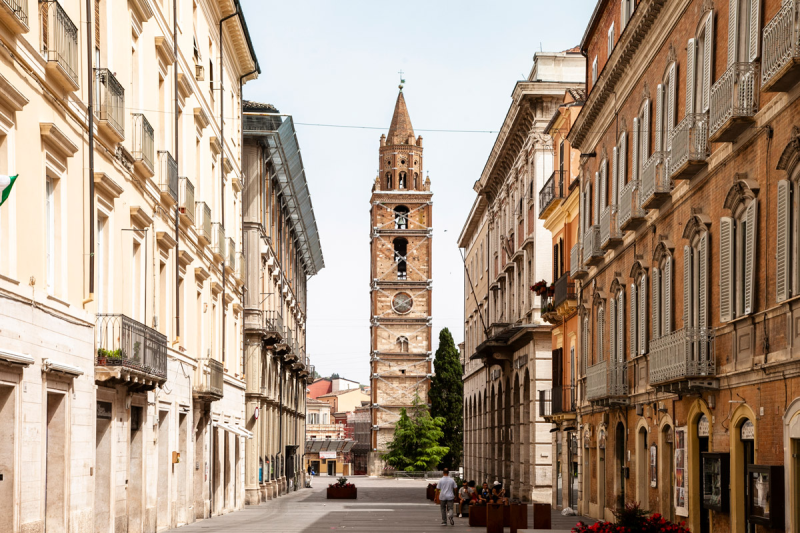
pixel 57 139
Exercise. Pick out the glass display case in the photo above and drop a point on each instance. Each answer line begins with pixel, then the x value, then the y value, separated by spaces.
pixel 765 502
pixel 716 481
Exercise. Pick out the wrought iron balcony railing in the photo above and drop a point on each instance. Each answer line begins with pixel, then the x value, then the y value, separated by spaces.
pixel 186 203
pixel 110 103
pixel 168 177
pixel 576 268
pixel 549 311
pixel 60 43
pixel 592 251
pixel 561 399
pixel 209 379
pixel 734 101
pixel 680 355
pixel 689 146
pixel 564 295
pixel 15 14
pixel 219 245
pixel 143 144
pixel 124 342
pixel 203 224
pixel 551 194
pixel 656 183
pixel 610 235
pixel 631 214
pixel 607 379
pixel 781 49
pixel 230 259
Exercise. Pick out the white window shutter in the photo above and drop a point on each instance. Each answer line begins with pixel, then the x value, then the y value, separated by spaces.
pixel 726 269
pixel 623 16
pixel 584 345
pixel 670 97
pixel 635 151
pixel 643 315
pixel 667 295
pixel 783 230
pixel 750 256
pixel 596 190
pixel 600 329
pixel 612 328
pixel 687 285
pixel 659 118
pixel 604 184
pixel 622 155
pixel 702 300
pixel 733 6
pixel 645 134
pixel 614 177
pixel 633 342
pixel 620 355
pixel 708 63
pixel 690 81
pixel 655 305
pixel 755 37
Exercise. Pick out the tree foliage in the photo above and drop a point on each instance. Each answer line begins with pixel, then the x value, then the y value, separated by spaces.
pixel 335 376
pixel 416 440
pixel 447 398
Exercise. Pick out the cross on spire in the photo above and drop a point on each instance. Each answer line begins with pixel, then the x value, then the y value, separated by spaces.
pixel 402 80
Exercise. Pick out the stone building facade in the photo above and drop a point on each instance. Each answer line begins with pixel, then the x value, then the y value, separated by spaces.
pixel 507 250
pixel 282 251
pixel 687 261
pixel 401 210
pixel 121 379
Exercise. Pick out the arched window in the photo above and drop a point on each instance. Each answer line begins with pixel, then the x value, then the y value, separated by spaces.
pixel 389 185
pixel 416 180
pixel 400 251
pixel 695 289
pixel 401 217
pixel 616 323
pixel 402 344
pixel 599 333
pixel 638 311
pixel 665 107
pixel 788 222
pixel 401 180
pixel 699 56
pixel 737 251
pixel 640 151
pixel 661 281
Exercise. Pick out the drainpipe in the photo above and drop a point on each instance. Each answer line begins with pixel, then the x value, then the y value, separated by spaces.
pixel 280 417
pixel 90 113
pixel 177 151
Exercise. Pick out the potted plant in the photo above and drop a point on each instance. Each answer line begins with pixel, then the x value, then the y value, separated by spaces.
pixel 342 490
pixel 104 355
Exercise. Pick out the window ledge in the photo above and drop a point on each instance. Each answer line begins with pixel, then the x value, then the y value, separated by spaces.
pixel 8 279
pixel 57 299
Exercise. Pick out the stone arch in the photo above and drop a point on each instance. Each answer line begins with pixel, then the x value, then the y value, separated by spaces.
pixel 741 193
pixel 791 451
pixel 697 224
pixel 642 458
pixel 740 415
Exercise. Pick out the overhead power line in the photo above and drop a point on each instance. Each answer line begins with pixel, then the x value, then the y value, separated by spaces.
pixel 384 128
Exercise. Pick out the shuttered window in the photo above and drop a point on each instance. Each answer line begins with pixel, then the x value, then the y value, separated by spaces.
pixel 726 269
pixel 666 282
pixel 784 231
pixel 612 328
pixel 584 345
pixel 615 188
pixel 655 306
pixel 635 174
pixel 744 19
pixel 644 133
pixel 669 97
pixel 659 146
pixel 620 325
pixel 600 326
pixel 598 186
pixel 633 335
pixel 691 56
pixel 642 336
pixel 738 256
pixel 708 57
pixel 622 155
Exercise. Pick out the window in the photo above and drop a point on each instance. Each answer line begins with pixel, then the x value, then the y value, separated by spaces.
pixel 616 325
pixel 627 8
pixel 695 287
pixel 665 110
pixel 737 253
pixel 401 217
pixel 640 151
pixel 699 55
pixel 416 180
pixel 50 232
pixel 638 313
pixel 584 344
pixel 788 252
pixel 661 281
pixel 402 344
pixel 743 30
pixel 610 39
pixel 620 171
pixel 401 180
pixel 389 185
pixel 400 251
pixel 599 333
pixel 594 71
pixel 102 263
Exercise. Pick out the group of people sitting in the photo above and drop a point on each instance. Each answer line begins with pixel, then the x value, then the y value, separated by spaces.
pixel 469 494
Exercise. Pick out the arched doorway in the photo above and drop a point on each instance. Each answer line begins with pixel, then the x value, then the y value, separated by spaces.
pixel 743 435
pixel 702 447
pixel 619 463
pixel 666 461
pixel 600 465
pixel 642 464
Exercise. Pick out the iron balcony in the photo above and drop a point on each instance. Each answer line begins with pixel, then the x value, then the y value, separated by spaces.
pixel 576 267
pixel 682 355
pixel 656 184
pixel 143 145
pixel 607 381
pixel 592 252
pixel 560 400
pixel 565 298
pixel 631 214
pixel 551 194
pixel 129 353
pixel 60 44
pixel 186 203
pixel 203 226
pixel 781 50
pixel 734 102
pixel 218 247
pixel 14 13
pixel 610 236
pixel 168 178
pixel 689 152
pixel 209 380
pixel 110 106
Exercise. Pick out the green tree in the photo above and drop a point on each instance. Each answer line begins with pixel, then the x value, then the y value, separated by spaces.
pixel 415 446
pixel 334 376
pixel 447 398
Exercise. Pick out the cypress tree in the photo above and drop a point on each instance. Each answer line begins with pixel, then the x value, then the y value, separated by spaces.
pixel 447 398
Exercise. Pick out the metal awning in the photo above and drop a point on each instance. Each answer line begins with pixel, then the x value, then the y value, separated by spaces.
pixel 329 445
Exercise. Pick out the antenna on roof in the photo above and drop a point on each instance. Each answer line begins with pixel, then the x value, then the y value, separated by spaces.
pixel 402 80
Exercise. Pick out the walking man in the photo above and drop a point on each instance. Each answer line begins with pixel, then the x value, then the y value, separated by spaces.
pixel 447 493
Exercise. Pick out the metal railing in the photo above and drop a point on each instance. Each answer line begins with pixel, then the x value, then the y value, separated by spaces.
pixel 60 39
pixel 210 377
pixel 143 141
pixel 123 341
pixel 682 354
pixel 186 201
pixel 629 206
pixel 607 379
pixel 591 243
pixel 564 290
pixel 110 95
pixel 203 221
pixel 781 41
pixel 655 177
pixel 240 266
pixel 576 260
pixel 230 259
pixel 552 190
pixel 19 8
pixel 734 95
pixel 689 142
pixel 558 400
pixel 168 178
pixel 609 228
pixel 271 322
pixel 219 244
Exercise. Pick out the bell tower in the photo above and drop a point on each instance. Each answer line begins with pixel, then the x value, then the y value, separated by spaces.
pixel 401 281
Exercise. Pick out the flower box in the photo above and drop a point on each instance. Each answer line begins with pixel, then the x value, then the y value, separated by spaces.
pixel 342 493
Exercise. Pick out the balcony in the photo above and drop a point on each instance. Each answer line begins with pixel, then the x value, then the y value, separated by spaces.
pixel 230 256
pixel 143 145
pixel 576 268
pixel 631 214
pixel 273 330
pixel 610 236
pixel 549 313
pixel 209 379
pixel 682 359
pixel 14 13
pixel 60 45
pixel 558 403
pixel 239 273
pixel 168 178
pixel 607 382
pixel 781 50
pixel 109 105
pixel 129 353
pixel 592 252
pixel 551 194
pixel 219 245
pixel 186 204
pixel 734 102
pixel 656 185
pixel 689 146
pixel 203 224
pixel 565 298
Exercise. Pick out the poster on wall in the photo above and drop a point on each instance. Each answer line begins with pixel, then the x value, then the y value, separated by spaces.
pixel 681 501
pixel 653 466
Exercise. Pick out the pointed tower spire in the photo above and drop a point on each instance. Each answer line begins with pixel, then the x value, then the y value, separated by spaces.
pixel 400 128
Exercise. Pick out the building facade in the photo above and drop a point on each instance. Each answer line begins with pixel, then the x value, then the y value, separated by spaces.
pixel 687 262
pixel 328 446
pixel 507 250
pixel 282 251
pixel 401 281
pixel 120 294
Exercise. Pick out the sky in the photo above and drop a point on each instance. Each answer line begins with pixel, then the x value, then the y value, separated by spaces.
pixel 338 63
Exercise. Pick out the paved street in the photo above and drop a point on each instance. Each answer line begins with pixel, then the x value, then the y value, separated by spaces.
pixel 383 505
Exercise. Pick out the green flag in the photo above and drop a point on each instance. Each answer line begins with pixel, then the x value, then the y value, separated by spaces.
pixel 6 182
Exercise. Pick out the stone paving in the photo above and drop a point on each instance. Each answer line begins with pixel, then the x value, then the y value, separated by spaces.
pixel 383 505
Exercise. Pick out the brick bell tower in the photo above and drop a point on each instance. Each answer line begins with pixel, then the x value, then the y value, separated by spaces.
pixel 400 278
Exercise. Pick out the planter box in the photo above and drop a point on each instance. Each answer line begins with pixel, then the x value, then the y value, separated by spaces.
pixel 518 516
pixel 477 516
pixel 342 493
pixel 494 518
pixel 541 516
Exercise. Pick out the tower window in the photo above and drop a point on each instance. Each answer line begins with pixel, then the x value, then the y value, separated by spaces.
pixel 416 180
pixel 388 180
pixel 402 344
pixel 401 180
pixel 400 251
pixel 401 217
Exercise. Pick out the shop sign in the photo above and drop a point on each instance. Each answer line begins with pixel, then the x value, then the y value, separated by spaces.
pixel 681 473
pixel 748 431
pixel 653 465
pixel 702 427
pixel 327 455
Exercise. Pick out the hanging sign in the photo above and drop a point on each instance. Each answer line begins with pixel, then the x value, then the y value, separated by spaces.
pixel 255 413
pixel 702 427
pixel 681 498
pixel 748 431
pixel 653 466
pixel 327 455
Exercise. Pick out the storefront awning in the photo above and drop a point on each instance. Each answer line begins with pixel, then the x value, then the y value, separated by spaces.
pixel 329 445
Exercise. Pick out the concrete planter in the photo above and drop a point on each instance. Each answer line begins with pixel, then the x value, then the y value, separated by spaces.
pixel 342 493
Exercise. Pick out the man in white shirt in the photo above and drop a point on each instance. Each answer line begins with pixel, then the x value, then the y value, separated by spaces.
pixel 447 493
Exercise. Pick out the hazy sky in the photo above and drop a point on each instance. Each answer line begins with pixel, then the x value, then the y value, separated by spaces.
pixel 327 62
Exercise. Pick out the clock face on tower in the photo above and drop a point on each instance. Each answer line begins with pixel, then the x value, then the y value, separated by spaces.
pixel 401 303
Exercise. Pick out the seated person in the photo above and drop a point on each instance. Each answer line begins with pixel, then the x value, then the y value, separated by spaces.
pixel 484 493
pixel 463 500
pixel 498 494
